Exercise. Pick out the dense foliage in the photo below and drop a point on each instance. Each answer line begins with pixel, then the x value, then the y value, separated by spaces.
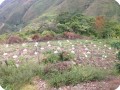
pixel 70 26
pixel 116 45
pixel 51 57
pixel 78 23
pixel 111 30
pixel 75 22
pixel 16 14
pixel 13 78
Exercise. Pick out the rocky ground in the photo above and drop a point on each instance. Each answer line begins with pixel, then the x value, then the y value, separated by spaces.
pixel 111 83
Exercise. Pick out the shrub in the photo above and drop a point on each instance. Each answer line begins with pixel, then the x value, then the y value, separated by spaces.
pixel 118 55
pixel 118 63
pixel 66 56
pixel 50 57
pixel 71 35
pixel 14 78
pixel 2 41
pixel 3 38
pixel 58 67
pixel 118 67
pixel 99 22
pixel 48 33
pixel 75 22
pixel 36 37
pixel 116 45
pixel 111 30
pixel 75 75
pixel 14 39
pixel 61 28
pixel 59 37
pixel 22 35
pixel 47 37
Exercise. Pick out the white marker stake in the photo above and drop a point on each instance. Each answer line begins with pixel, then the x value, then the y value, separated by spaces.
pixel 73 52
pixel 15 56
pixel 36 45
pixel 5 54
pixel 25 50
pixel 68 41
pixel 7 45
pixel 42 48
pixel 49 45
pixel 24 44
pixel 55 52
pixel 58 48
pixel 36 53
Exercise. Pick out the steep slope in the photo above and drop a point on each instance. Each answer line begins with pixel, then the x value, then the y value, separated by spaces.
pixel 109 8
pixel 11 13
pixel 15 14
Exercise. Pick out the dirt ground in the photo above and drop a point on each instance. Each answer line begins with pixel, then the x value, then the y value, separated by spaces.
pixel 111 83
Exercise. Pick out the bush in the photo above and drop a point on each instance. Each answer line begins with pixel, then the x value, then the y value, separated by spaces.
pixel 118 67
pixel 36 37
pixel 75 22
pixel 116 45
pixel 118 55
pixel 71 35
pixel 3 38
pixel 48 33
pixel 58 74
pixel 62 28
pixel 47 38
pixel 14 39
pixel 75 75
pixel 118 63
pixel 50 57
pixel 111 29
pixel 22 35
pixel 66 56
pixel 59 67
pixel 14 78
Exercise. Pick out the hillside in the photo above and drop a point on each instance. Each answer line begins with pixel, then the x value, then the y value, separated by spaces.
pixel 74 65
pixel 59 45
pixel 16 14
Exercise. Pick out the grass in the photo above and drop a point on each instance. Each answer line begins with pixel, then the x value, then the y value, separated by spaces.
pixel 28 87
pixel 75 75
pixel 12 78
pixel 116 45
pixel 51 57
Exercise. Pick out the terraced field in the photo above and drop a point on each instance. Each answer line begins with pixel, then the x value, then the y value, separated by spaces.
pixel 91 53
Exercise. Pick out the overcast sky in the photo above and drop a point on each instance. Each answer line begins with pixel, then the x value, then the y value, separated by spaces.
pixel 3 0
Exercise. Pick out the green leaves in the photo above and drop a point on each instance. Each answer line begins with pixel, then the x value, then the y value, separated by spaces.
pixel 118 55
pixel 75 22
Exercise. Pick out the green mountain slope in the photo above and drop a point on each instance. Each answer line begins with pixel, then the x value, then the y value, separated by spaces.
pixel 15 14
